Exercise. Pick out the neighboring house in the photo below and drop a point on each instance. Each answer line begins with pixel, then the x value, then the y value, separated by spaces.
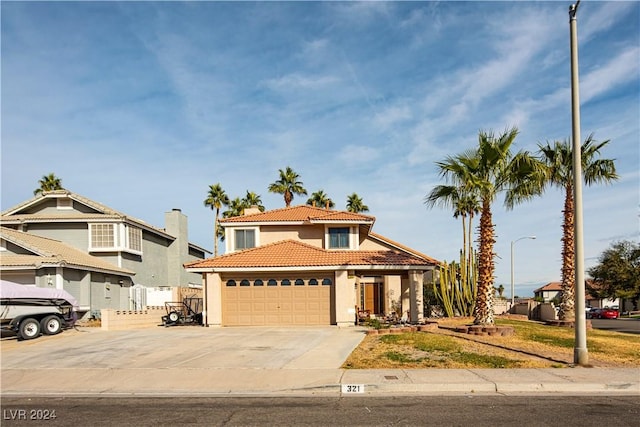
pixel 32 260
pixel 553 292
pixel 549 292
pixel 152 256
pixel 309 266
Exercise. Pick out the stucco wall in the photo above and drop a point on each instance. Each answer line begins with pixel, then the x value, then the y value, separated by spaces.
pixel 309 234
pixel 118 320
pixel 152 267
pixel 72 234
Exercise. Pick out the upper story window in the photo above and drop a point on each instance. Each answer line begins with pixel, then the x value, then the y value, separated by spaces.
pixel 245 239
pixel 339 238
pixel 115 237
pixel 134 241
pixel 102 236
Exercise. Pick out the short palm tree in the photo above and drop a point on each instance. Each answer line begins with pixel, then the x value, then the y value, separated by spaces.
pixel 216 199
pixel 253 199
pixel 355 204
pixel 236 208
pixel 465 205
pixel 320 199
pixel 558 160
pixel 483 173
pixel 48 183
pixel 288 185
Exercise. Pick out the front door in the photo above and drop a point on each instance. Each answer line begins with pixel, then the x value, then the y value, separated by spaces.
pixel 371 298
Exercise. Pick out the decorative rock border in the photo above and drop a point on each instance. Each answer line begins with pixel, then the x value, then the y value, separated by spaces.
pixel 492 331
pixel 567 323
pixel 429 326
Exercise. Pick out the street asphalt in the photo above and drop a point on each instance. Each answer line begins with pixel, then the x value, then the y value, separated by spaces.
pixel 258 361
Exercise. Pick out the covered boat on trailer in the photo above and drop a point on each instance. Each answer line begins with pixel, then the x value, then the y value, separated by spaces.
pixel 30 311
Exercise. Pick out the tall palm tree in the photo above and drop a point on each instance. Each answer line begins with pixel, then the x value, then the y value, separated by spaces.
pixel 236 208
pixel 288 185
pixel 253 199
pixel 320 199
pixel 558 160
pixel 355 204
pixel 216 199
pixel 48 183
pixel 483 173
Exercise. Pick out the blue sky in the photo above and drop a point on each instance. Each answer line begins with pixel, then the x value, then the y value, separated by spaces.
pixel 141 106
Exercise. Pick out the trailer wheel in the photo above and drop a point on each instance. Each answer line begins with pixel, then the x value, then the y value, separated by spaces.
pixel 29 329
pixel 51 325
pixel 174 317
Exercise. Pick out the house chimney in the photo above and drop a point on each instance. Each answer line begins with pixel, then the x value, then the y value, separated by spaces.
pixel 253 209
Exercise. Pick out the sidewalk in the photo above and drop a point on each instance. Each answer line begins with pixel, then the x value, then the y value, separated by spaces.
pixel 320 382
pixel 254 361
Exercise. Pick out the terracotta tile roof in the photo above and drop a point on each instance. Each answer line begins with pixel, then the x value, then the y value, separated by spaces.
pixel 49 251
pixel 302 213
pixel 403 247
pixel 292 253
pixel 552 286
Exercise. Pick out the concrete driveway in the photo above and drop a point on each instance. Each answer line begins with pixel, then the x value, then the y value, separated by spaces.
pixel 186 347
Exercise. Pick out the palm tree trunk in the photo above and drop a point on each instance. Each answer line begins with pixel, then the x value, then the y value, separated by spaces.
pixel 215 234
pixel 484 302
pixel 567 304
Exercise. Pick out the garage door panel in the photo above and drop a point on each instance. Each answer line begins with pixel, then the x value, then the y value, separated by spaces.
pixel 276 305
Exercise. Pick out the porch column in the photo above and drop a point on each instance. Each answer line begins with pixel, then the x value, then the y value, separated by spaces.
pixel 213 306
pixel 345 299
pixel 415 289
pixel 59 278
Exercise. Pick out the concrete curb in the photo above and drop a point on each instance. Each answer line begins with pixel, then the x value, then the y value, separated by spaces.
pixel 316 382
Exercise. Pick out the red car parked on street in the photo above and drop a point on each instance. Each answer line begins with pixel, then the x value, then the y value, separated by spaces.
pixel 605 313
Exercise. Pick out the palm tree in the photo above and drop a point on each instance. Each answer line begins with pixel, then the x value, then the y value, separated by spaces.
pixel 216 199
pixel 558 160
pixel 355 204
pixel 320 199
pixel 48 183
pixel 465 205
pixel 483 173
pixel 236 208
pixel 253 199
pixel 288 185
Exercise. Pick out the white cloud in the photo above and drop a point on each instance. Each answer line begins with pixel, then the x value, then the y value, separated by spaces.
pixel 358 155
pixel 392 115
pixel 300 81
pixel 622 69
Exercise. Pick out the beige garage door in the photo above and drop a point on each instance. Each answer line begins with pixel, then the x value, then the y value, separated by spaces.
pixel 276 301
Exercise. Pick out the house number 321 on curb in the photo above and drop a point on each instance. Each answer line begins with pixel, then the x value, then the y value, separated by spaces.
pixel 352 388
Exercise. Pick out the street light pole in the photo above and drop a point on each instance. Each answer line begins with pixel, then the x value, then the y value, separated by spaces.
pixel 580 353
pixel 513 298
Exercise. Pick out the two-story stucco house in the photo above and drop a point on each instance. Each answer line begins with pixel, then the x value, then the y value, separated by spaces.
pixel 309 266
pixel 64 240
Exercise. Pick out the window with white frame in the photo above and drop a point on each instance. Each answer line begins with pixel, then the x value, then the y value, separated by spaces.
pixel 134 236
pixel 245 239
pixel 339 238
pixel 103 236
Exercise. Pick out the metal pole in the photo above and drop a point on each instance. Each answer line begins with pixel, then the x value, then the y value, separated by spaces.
pixel 512 269
pixel 580 353
pixel 513 295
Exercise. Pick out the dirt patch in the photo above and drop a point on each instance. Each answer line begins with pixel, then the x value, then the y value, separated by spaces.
pixel 534 345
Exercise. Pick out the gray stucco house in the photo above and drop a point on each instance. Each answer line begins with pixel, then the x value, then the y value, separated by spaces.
pixel 64 240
